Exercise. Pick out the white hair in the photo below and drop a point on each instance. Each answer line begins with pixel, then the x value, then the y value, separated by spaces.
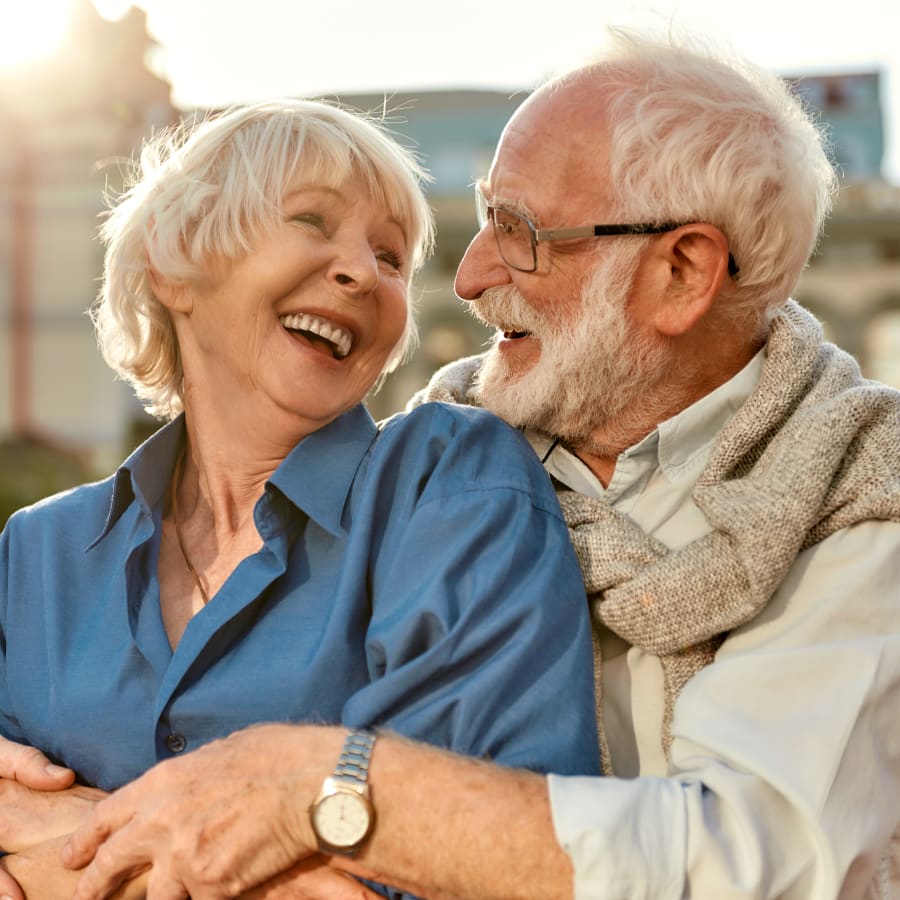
pixel 699 136
pixel 209 190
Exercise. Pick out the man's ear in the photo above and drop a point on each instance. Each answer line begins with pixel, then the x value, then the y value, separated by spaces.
pixel 175 297
pixel 697 259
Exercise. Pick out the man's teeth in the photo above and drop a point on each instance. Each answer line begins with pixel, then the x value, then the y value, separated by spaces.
pixel 340 338
pixel 510 333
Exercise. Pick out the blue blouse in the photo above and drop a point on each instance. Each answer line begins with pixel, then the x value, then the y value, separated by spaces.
pixel 419 578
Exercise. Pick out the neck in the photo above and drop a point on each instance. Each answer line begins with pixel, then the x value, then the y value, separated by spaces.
pixel 687 383
pixel 222 478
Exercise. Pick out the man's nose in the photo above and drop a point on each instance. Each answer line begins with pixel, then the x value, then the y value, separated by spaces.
pixel 482 266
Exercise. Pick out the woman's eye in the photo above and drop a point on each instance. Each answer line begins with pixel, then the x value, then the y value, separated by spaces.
pixel 313 219
pixel 392 258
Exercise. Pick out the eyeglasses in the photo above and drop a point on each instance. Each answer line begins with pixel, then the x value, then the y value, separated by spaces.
pixel 517 238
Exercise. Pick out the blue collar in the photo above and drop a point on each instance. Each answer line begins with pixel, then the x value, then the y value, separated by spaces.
pixel 316 476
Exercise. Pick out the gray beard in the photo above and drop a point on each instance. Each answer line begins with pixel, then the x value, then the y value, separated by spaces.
pixel 594 375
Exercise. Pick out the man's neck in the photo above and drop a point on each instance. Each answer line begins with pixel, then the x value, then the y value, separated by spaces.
pixel 601 450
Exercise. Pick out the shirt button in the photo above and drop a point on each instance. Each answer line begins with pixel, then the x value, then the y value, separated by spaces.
pixel 176 742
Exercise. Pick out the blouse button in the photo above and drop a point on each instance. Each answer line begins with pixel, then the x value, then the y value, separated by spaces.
pixel 176 742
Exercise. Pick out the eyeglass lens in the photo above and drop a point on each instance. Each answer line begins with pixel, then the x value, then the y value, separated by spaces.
pixel 512 231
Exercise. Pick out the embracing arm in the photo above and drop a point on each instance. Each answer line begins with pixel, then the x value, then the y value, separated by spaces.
pixel 784 779
pixel 447 826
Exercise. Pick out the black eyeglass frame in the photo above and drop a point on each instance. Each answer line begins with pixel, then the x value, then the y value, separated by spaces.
pixel 484 213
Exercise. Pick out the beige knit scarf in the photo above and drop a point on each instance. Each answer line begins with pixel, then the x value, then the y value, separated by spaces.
pixel 814 449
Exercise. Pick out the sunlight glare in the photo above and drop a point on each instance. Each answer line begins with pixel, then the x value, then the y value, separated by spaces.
pixel 32 29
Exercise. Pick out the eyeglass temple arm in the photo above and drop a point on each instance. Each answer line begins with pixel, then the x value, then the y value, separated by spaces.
pixel 562 234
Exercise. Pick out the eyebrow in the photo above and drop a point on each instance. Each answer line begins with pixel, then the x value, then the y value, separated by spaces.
pixel 516 206
pixel 297 190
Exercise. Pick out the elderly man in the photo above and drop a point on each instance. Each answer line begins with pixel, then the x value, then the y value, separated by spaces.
pixel 732 486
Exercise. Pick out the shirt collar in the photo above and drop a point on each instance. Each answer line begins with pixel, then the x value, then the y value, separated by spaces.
pixel 318 473
pixel 145 474
pixel 686 439
pixel 680 446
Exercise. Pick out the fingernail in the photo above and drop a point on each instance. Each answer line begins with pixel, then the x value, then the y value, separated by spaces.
pixel 50 769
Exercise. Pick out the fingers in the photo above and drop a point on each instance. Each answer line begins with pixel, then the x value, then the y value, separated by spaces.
pixel 111 867
pixel 9 887
pixel 30 767
pixel 95 844
pixel 83 843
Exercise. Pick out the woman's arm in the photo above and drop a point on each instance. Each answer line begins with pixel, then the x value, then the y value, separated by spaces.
pixel 41 876
pixel 28 818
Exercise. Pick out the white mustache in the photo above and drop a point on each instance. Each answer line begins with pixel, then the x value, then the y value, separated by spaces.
pixel 504 306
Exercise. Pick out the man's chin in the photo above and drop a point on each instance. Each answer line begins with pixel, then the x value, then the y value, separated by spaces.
pixel 513 393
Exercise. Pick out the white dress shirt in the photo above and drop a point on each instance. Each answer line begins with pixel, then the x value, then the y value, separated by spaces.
pixel 784 775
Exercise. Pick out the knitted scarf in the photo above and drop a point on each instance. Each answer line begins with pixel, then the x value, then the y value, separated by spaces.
pixel 815 448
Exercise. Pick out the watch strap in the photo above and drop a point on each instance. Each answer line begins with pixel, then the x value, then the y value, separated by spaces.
pixel 353 763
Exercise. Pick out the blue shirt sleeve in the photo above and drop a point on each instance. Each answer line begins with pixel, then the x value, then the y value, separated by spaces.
pixel 9 727
pixel 479 639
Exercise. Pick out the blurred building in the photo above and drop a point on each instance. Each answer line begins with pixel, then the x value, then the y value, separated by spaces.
pixel 853 283
pixel 67 123
pixel 96 102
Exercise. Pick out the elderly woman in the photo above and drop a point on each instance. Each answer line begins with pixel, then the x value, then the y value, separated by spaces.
pixel 270 554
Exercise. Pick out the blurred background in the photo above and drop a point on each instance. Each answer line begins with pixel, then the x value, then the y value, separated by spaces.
pixel 82 83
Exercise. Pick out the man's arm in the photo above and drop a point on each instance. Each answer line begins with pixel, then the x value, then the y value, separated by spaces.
pixel 447 826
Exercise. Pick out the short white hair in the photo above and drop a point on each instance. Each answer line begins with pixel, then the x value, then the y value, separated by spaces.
pixel 209 190
pixel 699 135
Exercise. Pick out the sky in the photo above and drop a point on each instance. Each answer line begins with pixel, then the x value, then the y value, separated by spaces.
pixel 216 52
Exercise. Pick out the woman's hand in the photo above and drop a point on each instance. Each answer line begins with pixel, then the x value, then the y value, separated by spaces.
pixel 42 877
pixel 30 767
pixel 26 766
pixel 29 817
pixel 213 823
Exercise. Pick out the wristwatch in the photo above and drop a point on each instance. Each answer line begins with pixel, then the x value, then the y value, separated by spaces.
pixel 342 815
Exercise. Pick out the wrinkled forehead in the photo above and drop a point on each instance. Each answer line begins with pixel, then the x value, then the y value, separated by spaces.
pixel 553 156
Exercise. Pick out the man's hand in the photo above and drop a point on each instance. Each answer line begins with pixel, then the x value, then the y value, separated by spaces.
pixel 213 823
pixel 30 767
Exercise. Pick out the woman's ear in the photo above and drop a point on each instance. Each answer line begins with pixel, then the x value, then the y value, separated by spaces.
pixel 697 259
pixel 175 297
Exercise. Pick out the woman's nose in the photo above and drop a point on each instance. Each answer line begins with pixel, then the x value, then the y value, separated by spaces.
pixel 355 269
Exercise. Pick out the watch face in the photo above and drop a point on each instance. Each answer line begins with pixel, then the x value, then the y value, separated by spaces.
pixel 341 819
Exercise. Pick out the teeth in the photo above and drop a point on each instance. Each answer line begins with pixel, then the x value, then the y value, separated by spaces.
pixel 329 331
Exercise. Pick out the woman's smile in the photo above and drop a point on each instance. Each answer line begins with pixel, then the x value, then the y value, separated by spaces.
pixel 322 334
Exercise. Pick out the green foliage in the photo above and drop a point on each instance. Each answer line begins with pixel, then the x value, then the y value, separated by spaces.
pixel 31 470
